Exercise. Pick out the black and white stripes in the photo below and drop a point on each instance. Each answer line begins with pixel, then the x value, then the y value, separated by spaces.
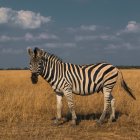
pixel 67 78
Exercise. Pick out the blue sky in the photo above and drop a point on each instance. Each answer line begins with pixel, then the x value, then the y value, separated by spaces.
pixel 78 31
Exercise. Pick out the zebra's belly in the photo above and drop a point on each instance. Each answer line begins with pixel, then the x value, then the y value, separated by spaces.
pixel 82 93
pixel 87 89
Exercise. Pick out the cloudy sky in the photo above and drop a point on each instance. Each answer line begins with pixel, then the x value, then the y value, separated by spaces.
pixel 78 31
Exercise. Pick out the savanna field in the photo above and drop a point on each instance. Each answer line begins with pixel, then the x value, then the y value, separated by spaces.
pixel 27 111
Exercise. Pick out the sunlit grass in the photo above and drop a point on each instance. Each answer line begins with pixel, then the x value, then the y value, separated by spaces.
pixel 21 101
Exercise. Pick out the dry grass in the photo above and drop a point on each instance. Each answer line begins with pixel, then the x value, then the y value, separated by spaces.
pixel 26 111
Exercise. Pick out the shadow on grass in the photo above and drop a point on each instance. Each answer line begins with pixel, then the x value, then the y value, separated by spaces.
pixel 92 116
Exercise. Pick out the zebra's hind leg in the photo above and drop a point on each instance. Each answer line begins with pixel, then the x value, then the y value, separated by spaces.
pixel 68 95
pixel 112 115
pixel 107 105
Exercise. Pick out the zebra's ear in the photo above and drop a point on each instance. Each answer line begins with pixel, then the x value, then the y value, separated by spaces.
pixel 40 52
pixel 30 52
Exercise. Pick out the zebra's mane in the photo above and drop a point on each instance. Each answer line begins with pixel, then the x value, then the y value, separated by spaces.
pixel 48 54
pixel 35 51
pixel 55 57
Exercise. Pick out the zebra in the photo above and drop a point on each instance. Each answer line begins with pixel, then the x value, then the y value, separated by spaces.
pixel 67 78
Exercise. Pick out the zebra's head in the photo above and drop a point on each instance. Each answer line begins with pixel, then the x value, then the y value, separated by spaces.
pixel 36 63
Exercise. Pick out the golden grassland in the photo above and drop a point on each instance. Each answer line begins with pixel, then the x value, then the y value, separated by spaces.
pixel 26 111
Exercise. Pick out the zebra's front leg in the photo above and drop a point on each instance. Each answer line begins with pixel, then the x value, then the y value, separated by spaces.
pixel 107 104
pixel 58 119
pixel 71 107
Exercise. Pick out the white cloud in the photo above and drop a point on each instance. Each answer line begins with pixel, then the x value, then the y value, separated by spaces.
pixel 29 19
pixel 88 28
pixel 108 38
pixel 84 28
pixel 4 15
pixel 101 37
pixel 57 45
pixel 69 45
pixel 23 19
pixel 122 45
pixel 85 38
pixel 29 37
pixel 131 27
pixel 11 51
pixel 60 45
pixel 41 36
pixel 71 29
pixel 5 38
pixel 51 45
pixel 47 36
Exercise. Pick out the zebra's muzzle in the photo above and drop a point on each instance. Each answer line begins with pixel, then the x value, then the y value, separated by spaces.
pixel 34 78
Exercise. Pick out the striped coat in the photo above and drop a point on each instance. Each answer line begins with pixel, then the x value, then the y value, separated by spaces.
pixel 84 80
pixel 67 78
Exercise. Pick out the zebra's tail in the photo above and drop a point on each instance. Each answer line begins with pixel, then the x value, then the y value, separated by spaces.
pixel 125 86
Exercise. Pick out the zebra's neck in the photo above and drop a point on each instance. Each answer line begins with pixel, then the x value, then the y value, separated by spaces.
pixel 52 69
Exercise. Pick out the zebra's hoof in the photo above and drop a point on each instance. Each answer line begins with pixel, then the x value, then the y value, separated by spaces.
pixel 64 119
pixel 99 123
pixel 57 122
pixel 73 123
pixel 112 120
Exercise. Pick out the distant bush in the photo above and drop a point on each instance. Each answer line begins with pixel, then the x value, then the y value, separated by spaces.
pixel 17 68
pixel 128 67
pixel 120 67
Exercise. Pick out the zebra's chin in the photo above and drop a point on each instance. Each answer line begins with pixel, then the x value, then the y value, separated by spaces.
pixel 34 78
